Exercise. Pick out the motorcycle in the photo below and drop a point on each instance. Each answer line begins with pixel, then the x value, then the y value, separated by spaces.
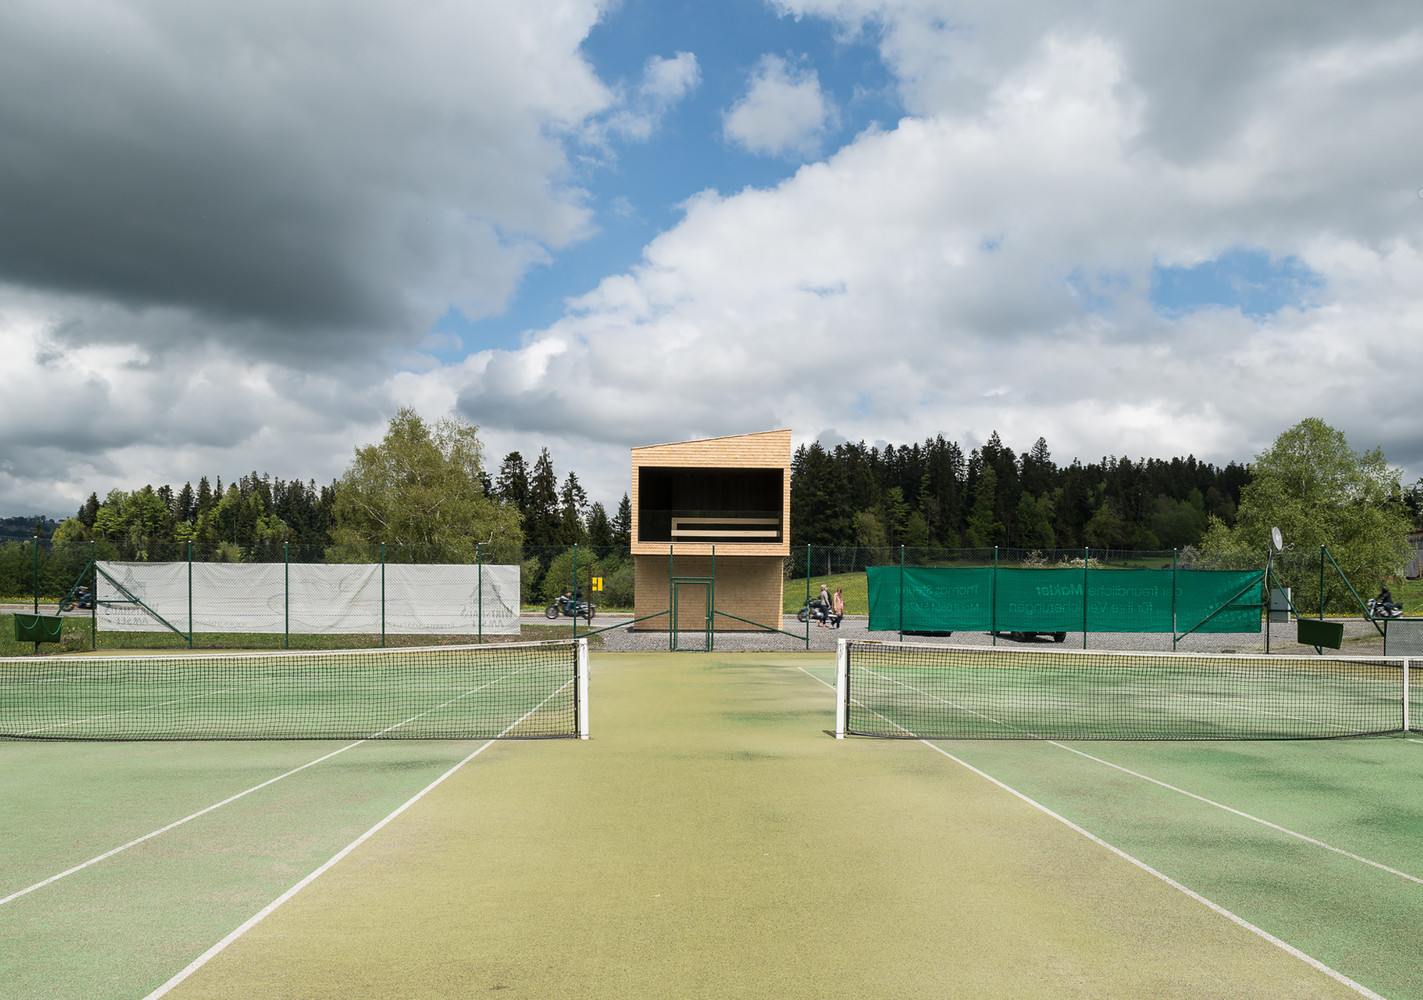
pixel 80 597
pixel 1384 609
pixel 567 605
pixel 817 609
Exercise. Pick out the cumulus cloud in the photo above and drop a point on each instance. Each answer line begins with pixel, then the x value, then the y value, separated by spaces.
pixel 222 235
pixel 783 111
pixel 885 291
pixel 664 83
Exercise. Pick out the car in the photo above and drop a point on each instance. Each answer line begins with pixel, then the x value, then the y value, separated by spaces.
pixel 1023 636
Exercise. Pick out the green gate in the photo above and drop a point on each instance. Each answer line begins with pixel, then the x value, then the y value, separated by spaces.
pixel 697 593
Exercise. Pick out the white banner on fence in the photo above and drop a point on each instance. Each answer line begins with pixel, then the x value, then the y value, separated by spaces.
pixel 305 598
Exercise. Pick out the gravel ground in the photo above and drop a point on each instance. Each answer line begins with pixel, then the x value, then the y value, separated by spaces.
pixel 1360 639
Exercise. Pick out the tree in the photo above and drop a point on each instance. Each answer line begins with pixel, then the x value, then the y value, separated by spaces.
pixel 869 532
pixel 542 516
pixel 600 531
pixel 420 489
pixel 1318 491
pixel 512 486
pixel 983 528
pixel 572 502
pixel 1178 523
pixel 1413 500
pixel 622 523
pixel 1035 521
pixel 1105 529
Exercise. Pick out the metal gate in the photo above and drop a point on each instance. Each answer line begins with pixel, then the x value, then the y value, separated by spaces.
pixel 694 597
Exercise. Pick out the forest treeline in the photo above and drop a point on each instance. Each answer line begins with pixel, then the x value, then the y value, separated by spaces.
pixel 936 495
pixel 933 494
pixel 256 511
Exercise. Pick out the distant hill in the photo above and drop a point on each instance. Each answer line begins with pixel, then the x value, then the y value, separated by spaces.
pixel 22 528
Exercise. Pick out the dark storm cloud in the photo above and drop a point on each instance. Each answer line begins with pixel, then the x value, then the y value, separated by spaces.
pixel 307 176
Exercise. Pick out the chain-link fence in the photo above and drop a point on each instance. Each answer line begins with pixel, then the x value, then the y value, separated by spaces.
pixel 44 574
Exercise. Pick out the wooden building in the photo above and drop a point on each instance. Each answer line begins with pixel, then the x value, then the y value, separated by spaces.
pixel 711 531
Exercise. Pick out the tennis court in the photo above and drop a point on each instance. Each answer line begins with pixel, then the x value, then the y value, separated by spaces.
pixel 712 839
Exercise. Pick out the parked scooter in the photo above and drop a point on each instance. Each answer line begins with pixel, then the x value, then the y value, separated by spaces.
pixel 569 606
pixel 79 597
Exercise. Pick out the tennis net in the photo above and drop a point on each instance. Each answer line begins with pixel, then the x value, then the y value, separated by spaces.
pixel 915 690
pixel 530 689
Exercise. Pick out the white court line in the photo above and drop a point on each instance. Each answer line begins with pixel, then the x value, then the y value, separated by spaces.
pixel 176 823
pixel 1244 815
pixel 1216 907
pixel 1182 791
pixel 227 801
pixel 267 910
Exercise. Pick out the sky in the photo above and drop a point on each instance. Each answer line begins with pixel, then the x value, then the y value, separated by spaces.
pixel 238 237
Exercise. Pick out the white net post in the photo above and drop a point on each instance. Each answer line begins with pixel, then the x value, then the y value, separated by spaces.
pixel 842 686
pixel 582 689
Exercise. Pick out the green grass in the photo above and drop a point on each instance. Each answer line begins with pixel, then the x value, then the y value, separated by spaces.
pixel 857 600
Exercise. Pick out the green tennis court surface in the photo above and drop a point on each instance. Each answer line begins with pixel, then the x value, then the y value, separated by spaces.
pixel 713 840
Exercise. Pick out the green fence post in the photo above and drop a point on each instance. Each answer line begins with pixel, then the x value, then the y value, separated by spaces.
pixel 711 605
pixel 382 595
pixel 479 585
pixel 901 595
pixel 1173 599
pixel 1086 564
pixel 37 576
pixel 993 602
pixel 1321 583
pixel 807 596
pixel 190 593
pixel 94 603
pixel 286 596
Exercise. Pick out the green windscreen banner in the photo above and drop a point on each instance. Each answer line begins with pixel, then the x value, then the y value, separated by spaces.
pixel 945 599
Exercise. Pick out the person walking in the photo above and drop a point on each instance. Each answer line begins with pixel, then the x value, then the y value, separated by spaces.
pixel 837 606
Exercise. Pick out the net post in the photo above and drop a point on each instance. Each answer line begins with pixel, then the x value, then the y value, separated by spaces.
pixel 842 686
pixel 1407 719
pixel 583 688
